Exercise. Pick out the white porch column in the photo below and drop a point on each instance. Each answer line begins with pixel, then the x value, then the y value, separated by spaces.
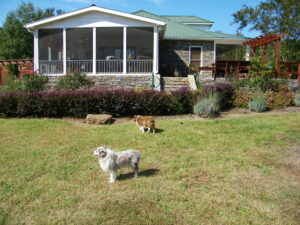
pixel 36 50
pixel 247 53
pixel 124 50
pixel 94 50
pixel 155 49
pixel 64 51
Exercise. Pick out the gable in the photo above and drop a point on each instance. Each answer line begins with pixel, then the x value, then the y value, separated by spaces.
pixel 93 16
pixel 95 19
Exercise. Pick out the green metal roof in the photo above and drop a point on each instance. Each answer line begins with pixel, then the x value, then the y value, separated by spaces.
pixel 187 19
pixel 178 31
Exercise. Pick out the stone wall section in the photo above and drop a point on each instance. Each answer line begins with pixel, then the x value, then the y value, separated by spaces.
pixel 176 54
pixel 109 82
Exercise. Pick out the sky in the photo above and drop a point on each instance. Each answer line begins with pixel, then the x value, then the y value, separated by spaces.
pixel 218 11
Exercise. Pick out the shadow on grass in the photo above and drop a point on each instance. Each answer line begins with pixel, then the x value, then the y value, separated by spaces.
pixel 144 173
pixel 157 131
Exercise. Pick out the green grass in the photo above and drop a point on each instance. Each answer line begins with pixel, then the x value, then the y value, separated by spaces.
pixel 192 172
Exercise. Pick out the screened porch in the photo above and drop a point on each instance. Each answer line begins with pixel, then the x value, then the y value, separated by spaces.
pixel 101 50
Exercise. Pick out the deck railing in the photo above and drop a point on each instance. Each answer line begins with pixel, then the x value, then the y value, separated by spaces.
pixel 139 66
pixel 51 67
pixel 109 66
pixel 82 66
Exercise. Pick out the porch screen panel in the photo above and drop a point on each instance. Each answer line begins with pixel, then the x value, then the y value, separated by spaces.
pixel 195 58
pixel 80 50
pixel 140 49
pixel 50 51
pixel 230 52
pixel 109 50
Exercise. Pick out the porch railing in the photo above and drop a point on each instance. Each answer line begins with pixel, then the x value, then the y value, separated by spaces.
pixel 109 66
pixel 139 66
pixel 51 67
pixel 82 66
pixel 102 66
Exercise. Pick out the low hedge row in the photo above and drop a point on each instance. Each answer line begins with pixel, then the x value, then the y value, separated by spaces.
pixel 80 103
pixel 275 100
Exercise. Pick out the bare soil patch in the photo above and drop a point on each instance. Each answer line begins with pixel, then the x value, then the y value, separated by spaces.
pixel 232 113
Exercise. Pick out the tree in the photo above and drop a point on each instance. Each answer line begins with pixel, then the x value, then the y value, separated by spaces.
pixel 274 16
pixel 15 41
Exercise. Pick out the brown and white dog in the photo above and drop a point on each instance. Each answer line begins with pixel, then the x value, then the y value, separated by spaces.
pixel 145 122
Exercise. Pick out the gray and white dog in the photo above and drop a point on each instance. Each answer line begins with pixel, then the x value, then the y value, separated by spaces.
pixel 110 161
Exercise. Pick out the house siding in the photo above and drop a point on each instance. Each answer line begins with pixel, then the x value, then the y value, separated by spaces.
pixel 176 54
pixel 95 19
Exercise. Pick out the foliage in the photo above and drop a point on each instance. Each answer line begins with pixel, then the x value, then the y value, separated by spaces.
pixel 208 106
pixel 33 83
pixel 13 70
pixel 74 81
pixel 258 104
pixel 281 99
pixel 261 84
pixel 275 99
pixel 258 69
pixel 26 83
pixel 274 16
pixel 225 92
pixel 16 42
pixel 297 100
pixel 81 103
pixel 243 96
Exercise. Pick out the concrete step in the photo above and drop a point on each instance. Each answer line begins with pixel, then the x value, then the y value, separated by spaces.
pixel 174 83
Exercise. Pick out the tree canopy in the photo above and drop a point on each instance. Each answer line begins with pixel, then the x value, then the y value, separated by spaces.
pixel 274 16
pixel 16 42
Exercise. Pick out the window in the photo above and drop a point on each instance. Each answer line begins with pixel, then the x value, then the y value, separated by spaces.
pixel 230 52
pixel 139 43
pixel 195 58
pixel 109 43
pixel 50 44
pixel 80 44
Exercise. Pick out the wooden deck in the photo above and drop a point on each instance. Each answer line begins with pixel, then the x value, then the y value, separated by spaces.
pixel 240 69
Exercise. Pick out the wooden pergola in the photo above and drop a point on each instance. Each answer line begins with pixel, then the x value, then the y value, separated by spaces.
pixel 263 41
pixel 25 66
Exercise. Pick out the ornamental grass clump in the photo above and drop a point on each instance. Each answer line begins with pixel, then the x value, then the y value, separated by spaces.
pixel 258 104
pixel 209 106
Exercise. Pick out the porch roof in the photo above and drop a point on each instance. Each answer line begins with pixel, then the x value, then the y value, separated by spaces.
pixel 178 31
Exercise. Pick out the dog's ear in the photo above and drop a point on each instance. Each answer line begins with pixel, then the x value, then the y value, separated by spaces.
pixel 101 148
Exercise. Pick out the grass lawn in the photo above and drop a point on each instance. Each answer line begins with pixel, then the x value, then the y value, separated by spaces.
pixel 217 172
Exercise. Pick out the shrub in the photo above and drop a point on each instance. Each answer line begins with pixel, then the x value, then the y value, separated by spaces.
pixel 278 100
pixel 26 83
pixel 225 92
pixel 261 84
pixel 74 81
pixel 258 104
pixel 243 96
pixel 297 100
pixel 80 103
pixel 209 106
pixel 13 70
pixel 34 82
pixel 258 69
